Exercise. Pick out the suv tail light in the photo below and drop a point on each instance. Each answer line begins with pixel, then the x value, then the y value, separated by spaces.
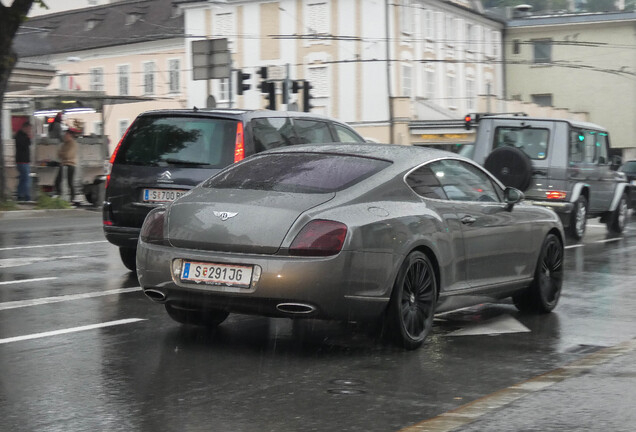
pixel 109 168
pixel 152 229
pixel 319 238
pixel 556 195
pixel 239 145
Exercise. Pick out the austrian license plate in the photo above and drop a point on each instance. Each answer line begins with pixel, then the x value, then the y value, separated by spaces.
pixel 217 274
pixel 162 195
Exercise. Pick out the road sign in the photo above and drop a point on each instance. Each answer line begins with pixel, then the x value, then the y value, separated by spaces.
pixel 210 59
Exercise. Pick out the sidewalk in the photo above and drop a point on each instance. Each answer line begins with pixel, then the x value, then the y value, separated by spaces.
pixel 28 210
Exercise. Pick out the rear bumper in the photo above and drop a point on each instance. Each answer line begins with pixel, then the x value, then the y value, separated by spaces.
pixel 122 236
pixel 332 287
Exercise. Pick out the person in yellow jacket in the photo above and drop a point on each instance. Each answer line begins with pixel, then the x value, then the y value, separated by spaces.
pixel 67 154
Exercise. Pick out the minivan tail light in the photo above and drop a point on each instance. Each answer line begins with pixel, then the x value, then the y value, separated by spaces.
pixel 239 145
pixel 109 168
pixel 319 238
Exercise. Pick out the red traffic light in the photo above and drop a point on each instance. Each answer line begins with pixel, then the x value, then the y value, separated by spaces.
pixel 467 121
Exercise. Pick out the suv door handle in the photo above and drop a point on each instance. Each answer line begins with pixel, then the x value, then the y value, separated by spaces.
pixel 468 220
pixel 540 172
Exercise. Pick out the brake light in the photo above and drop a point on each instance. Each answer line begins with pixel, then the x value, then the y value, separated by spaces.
pixel 319 238
pixel 109 168
pixel 556 195
pixel 152 229
pixel 239 145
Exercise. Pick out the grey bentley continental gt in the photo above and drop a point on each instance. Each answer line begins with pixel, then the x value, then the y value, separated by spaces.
pixel 356 232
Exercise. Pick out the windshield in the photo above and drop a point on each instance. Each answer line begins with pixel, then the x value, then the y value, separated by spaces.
pixel 532 141
pixel 180 141
pixel 298 172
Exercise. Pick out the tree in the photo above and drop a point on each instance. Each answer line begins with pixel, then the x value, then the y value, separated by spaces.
pixel 11 17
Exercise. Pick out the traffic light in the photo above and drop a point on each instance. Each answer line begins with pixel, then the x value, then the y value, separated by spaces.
pixel 296 86
pixel 307 97
pixel 241 81
pixel 262 72
pixel 286 91
pixel 468 121
pixel 269 88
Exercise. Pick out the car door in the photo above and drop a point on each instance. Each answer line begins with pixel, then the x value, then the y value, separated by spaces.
pixel 591 165
pixel 498 241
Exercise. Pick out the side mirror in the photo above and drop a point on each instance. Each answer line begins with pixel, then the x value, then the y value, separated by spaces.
pixel 617 161
pixel 512 196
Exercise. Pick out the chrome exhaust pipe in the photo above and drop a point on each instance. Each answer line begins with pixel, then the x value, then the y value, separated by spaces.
pixel 155 295
pixel 295 308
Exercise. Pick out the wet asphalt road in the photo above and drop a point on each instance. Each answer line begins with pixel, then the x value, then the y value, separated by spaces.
pixel 81 349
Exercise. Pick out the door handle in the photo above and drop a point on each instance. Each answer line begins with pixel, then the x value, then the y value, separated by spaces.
pixel 468 220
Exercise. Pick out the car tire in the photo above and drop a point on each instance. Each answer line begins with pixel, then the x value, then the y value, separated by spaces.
pixel 511 166
pixel 197 317
pixel 410 313
pixel 129 258
pixel 543 293
pixel 578 219
pixel 618 218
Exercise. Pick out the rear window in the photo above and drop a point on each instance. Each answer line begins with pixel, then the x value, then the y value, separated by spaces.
pixel 298 172
pixel 179 141
pixel 532 141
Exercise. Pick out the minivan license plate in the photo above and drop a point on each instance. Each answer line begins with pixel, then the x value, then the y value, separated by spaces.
pixel 218 274
pixel 162 195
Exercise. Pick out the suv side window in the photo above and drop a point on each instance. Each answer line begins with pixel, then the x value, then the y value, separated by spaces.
pixel 464 182
pixel 346 135
pixel 588 146
pixel 577 146
pixel 424 183
pixel 272 132
pixel 312 131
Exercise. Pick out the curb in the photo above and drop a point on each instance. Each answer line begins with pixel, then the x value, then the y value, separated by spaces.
pixel 20 214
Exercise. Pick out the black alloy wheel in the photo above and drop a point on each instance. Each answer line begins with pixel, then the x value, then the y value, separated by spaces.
pixel 412 306
pixel 543 293
pixel 578 219
pixel 618 219
pixel 196 317
pixel 129 258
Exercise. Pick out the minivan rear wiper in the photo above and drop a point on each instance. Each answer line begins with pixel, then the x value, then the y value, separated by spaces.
pixel 183 162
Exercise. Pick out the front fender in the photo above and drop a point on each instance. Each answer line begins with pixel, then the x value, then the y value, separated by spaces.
pixel 621 188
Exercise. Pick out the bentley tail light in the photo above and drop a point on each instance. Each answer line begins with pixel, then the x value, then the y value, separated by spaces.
pixel 239 145
pixel 556 195
pixel 319 238
pixel 152 229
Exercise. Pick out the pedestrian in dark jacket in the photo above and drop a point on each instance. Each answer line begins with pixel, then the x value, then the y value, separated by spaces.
pixel 55 128
pixel 23 161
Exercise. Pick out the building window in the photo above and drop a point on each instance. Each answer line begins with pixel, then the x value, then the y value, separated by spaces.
pixel 407 80
pixel 542 50
pixel 542 99
pixel 123 127
pixel 318 79
pixel 98 128
pixel 470 41
pixel 173 75
pixel 224 28
pixel 97 79
pixel 429 25
pixel 430 84
pixel 406 16
pixel 452 90
pixel 496 44
pixel 123 78
pixel 149 78
pixel 224 89
pixel 470 93
pixel 516 46
pixel 318 21
pixel 64 82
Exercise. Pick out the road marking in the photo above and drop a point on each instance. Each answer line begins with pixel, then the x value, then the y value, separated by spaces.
pixel 498 325
pixel 574 246
pixel 472 411
pixel 47 300
pixel 27 280
pixel 52 245
pixel 609 240
pixel 19 262
pixel 69 330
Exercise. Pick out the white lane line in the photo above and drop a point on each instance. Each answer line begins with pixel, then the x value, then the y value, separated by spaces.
pixel 609 240
pixel 52 245
pixel 574 246
pixel 19 262
pixel 27 280
pixel 70 330
pixel 47 300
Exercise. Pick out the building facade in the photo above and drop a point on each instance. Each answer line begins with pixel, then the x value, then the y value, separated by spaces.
pixel 378 65
pixel 581 62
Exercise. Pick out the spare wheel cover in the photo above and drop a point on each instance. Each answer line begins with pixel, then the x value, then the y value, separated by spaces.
pixel 511 166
